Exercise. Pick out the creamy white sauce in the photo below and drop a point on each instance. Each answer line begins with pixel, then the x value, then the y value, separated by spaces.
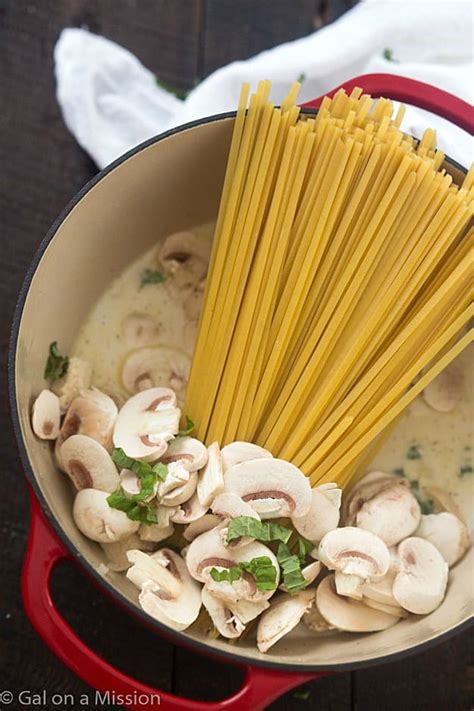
pixel 443 440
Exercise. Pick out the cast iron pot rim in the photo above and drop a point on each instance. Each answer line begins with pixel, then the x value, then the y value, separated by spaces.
pixel 180 638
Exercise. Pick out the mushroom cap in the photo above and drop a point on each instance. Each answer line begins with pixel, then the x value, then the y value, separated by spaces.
pixel 46 415
pixel 77 379
pixel 208 551
pixel 155 567
pixel 284 614
pixel 349 615
pixel 201 525
pixel 117 552
pixel 370 485
pixel 181 493
pixel 392 514
pixel 447 532
pixel 211 479
pixel 381 590
pixel 88 464
pixel 226 622
pixel 154 532
pixel 230 506
pixel 348 585
pixel 446 390
pixel 273 487
pixel 314 620
pixel 140 329
pixel 190 452
pixel 177 612
pixel 189 511
pixel 98 521
pixel 146 423
pixel 238 452
pixel 247 611
pixel 394 610
pixel 92 413
pixel 420 586
pixel 355 552
pixel 156 366
pixel 322 516
pixel 186 257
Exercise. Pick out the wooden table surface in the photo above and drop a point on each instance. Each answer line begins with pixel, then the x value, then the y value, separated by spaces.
pixel 42 167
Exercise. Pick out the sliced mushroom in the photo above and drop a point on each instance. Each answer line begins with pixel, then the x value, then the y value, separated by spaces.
pixel 394 610
pixel 92 413
pixel 348 585
pixel 46 415
pixel 393 514
pixel 201 525
pixel 226 622
pixel 381 590
pixel 207 551
pixel 349 615
pixel 446 390
pixel 284 614
pixel 157 567
pixel 185 256
pixel 368 487
pixel 314 620
pixel 190 452
pixel 247 611
pixel 355 552
pixel 211 479
pixel 98 521
pixel 139 329
pixel 446 532
pixel 420 585
pixel 154 532
pixel 146 423
pixel 117 552
pixel 323 514
pixel 229 506
pixel 179 611
pixel 238 452
pixel 88 464
pixel 157 366
pixel 273 487
pixel 183 489
pixel 77 379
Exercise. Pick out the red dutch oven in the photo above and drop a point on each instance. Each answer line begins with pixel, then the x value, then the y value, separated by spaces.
pixel 168 183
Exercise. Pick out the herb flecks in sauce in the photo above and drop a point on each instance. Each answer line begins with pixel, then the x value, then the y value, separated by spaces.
pixel 465 470
pixel 151 276
pixel 56 365
pixel 414 452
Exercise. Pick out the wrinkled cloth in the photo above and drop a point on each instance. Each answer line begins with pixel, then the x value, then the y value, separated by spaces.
pixel 111 102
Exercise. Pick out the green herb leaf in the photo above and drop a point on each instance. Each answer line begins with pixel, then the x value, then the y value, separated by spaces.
pixel 465 470
pixel 260 530
pixel 426 506
pixel 413 452
pixel 263 571
pixel 151 276
pixel 179 93
pixel 135 509
pixel 414 485
pixel 141 469
pixel 302 694
pixel 136 506
pixel 398 472
pixel 261 568
pixel 56 365
pixel 304 548
pixel 188 428
pixel 293 578
pixel 388 54
pixel 161 470
pixel 301 77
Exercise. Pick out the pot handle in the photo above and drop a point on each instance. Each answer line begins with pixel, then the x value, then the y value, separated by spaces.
pixel 44 552
pixel 412 92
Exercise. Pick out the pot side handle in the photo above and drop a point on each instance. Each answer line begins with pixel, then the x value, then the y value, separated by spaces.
pixel 44 552
pixel 412 92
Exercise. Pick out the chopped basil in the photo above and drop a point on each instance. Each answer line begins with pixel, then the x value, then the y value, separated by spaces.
pixel 304 548
pixel 414 485
pixel 133 506
pixel 261 568
pixel 141 469
pixel 426 506
pixel 413 452
pixel 188 427
pixel 56 365
pixel 398 472
pixel 465 469
pixel 260 530
pixel 301 77
pixel 293 578
pixel 136 506
pixel 151 276
pixel 179 93
pixel 388 54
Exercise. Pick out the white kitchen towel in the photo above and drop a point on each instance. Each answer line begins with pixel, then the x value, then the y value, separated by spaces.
pixel 111 102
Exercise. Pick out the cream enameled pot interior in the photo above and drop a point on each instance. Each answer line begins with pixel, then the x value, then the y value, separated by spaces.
pixel 170 185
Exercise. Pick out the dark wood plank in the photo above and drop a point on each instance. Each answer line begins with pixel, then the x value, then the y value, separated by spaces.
pixel 438 679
